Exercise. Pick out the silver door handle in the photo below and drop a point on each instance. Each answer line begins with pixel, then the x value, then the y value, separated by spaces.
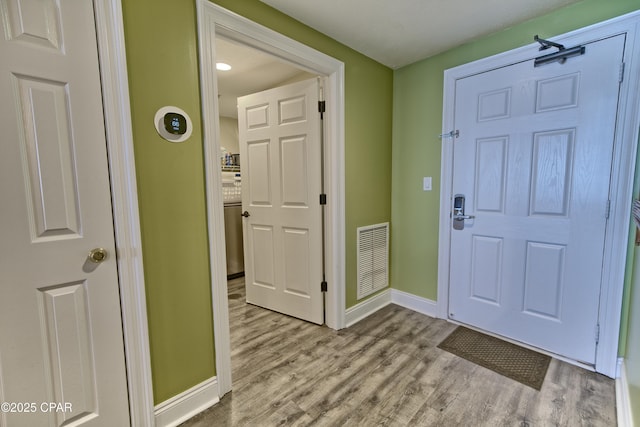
pixel 463 217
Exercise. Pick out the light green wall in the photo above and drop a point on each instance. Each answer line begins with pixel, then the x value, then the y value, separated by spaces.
pixel 161 43
pixel 163 70
pixel 632 357
pixel 229 138
pixel 630 328
pixel 417 122
pixel 632 353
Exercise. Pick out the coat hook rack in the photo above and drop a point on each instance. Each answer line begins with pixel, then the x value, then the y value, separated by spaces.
pixel 452 134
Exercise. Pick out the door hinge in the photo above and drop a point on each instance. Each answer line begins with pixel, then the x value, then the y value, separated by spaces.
pixel 323 286
pixel 607 210
pixel 323 199
pixel 597 333
pixel 322 108
pixel 621 75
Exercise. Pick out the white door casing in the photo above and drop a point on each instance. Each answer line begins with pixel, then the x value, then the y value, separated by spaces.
pixel 61 330
pixel 533 160
pixel 279 133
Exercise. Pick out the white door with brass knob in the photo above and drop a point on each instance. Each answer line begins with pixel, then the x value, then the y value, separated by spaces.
pixel 60 322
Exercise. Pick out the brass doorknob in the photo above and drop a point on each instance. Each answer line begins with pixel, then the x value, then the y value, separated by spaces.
pixel 98 255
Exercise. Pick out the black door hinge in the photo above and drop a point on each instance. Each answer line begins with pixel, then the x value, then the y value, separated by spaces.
pixel 323 199
pixel 323 286
pixel 321 108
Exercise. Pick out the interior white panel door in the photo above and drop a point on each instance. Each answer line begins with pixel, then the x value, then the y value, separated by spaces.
pixel 61 345
pixel 533 161
pixel 280 149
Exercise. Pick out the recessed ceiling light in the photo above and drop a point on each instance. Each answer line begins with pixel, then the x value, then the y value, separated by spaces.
pixel 222 66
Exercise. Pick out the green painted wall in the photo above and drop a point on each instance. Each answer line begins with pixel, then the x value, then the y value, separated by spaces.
pixel 163 70
pixel 632 357
pixel 630 329
pixel 161 43
pixel 417 122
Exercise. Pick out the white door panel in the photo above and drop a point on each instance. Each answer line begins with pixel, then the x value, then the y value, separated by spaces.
pixel 279 143
pixel 533 161
pixel 60 324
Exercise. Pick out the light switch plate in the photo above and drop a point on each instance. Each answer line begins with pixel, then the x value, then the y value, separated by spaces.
pixel 426 183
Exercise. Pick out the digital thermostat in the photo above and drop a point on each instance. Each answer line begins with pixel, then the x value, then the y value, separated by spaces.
pixel 173 124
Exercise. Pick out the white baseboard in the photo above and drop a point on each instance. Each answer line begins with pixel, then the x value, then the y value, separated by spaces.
pixel 187 404
pixel 623 401
pixel 390 296
pixel 366 308
pixel 413 302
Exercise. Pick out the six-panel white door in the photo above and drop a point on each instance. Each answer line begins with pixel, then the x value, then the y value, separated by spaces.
pixel 533 160
pixel 60 324
pixel 280 151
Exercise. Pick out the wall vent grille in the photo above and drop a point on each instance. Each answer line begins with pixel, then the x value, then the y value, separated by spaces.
pixel 373 258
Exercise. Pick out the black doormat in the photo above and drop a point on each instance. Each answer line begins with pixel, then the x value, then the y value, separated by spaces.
pixel 512 361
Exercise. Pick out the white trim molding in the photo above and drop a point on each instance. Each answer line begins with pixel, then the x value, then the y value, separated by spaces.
pixel 124 195
pixel 215 214
pixel 389 296
pixel 214 21
pixel 623 400
pixel 621 179
pixel 187 404
pixel 413 302
pixel 367 307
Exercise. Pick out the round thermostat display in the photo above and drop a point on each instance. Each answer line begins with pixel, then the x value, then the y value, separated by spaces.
pixel 173 124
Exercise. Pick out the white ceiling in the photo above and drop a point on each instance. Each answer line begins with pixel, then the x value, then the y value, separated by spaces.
pixel 252 71
pixel 400 32
pixel 393 32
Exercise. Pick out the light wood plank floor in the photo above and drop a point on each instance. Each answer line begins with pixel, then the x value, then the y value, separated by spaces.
pixel 385 371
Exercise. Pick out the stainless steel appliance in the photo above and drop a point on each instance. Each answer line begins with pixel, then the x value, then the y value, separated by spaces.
pixel 233 223
pixel 233 238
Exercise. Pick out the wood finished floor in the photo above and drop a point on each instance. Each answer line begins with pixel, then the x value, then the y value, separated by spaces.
pixel 385 371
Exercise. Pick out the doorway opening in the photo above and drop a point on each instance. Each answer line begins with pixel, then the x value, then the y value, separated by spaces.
pixel 265 175
pixel 216 22
pixel 250 71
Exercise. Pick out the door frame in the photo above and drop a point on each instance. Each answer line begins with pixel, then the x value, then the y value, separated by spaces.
pixel 214 20
pixel 124 199
pixel 622 176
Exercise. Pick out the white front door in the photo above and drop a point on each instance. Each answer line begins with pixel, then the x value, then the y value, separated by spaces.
pixel 533 162
pixel 281 184
pixel 61 344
